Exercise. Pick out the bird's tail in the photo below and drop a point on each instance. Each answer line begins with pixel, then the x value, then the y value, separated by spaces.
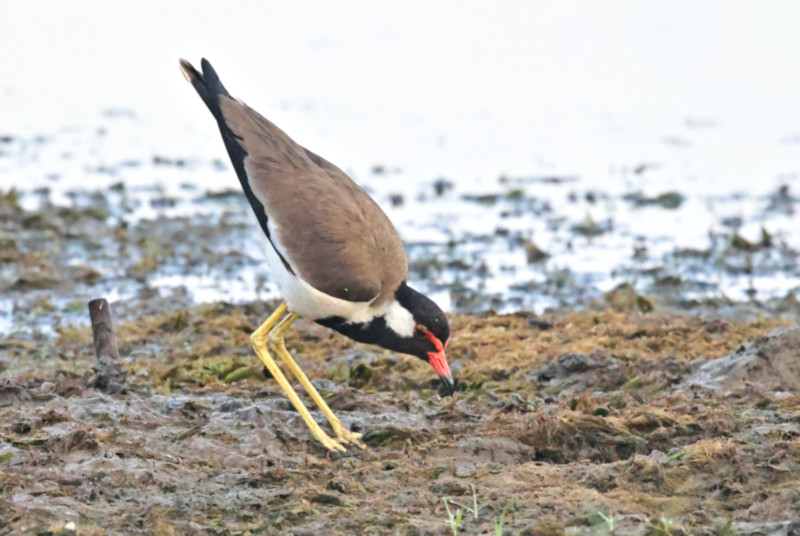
pixel 207 84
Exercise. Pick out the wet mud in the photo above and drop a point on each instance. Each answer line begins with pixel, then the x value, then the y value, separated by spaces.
pixel 658 406
pixel 583 423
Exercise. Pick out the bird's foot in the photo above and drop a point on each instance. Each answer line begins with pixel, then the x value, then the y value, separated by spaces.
pixel 346 436
pixel 327 441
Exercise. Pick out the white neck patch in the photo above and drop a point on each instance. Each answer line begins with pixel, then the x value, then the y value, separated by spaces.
pixel 399 319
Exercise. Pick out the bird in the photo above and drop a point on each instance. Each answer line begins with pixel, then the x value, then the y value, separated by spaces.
pixel 333 252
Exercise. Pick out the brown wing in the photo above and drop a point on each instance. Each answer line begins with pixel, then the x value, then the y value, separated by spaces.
pixel 330 230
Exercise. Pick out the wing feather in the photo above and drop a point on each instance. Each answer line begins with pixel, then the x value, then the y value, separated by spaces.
pixel 333 233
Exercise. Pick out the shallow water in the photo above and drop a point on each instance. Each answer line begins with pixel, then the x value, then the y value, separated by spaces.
pixel 520 243
pixel 522 175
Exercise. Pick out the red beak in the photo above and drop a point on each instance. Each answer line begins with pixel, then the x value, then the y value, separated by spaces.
pixel 438 361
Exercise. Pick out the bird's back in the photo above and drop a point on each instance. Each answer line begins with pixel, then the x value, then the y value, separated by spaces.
pixel 325 227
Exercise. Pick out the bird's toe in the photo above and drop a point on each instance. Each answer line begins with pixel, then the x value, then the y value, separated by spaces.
pixel 330 443
pixel 346 436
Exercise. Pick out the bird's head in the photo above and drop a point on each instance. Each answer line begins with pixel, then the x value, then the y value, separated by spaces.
pixel 411 324
pixel 430 334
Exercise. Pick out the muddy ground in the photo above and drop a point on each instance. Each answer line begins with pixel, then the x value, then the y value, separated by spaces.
pixel 587 423
pixel 614 414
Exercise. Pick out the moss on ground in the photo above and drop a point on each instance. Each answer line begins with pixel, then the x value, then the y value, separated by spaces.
pixel 574 425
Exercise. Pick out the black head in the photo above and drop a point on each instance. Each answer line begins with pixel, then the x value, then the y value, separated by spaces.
pixel 431 331
pixel 412 325
pixel 426 313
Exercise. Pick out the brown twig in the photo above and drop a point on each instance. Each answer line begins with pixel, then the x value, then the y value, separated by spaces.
pixel 108 374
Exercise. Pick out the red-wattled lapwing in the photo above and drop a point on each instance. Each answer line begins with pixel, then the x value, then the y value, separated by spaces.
pixel 333 252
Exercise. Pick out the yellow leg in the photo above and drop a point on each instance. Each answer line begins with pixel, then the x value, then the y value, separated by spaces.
pixel 278 346
pixel 258 340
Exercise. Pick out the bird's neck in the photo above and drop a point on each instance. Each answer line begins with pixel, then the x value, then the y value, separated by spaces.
pixel 390 322
pixel 392 326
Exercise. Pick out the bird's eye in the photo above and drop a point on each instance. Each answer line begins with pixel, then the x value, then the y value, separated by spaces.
pixel 420 331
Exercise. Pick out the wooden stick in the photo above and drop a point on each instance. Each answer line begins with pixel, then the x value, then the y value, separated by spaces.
pixel 108 374
pixel 105 342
